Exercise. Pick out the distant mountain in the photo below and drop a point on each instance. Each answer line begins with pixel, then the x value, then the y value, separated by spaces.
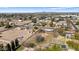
pixel 37 9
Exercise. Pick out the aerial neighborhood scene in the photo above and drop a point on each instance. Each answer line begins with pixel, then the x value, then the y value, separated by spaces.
pixel 39 29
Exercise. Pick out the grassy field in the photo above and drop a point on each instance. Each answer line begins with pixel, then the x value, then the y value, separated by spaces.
pixel 20 48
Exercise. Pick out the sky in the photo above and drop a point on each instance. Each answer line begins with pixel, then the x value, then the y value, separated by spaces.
pixel 37 9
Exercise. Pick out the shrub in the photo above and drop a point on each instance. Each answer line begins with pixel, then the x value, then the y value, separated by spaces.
pixel 39 38
pixel 77 23
pixel 55 47
pixel 30 45
pixel 35 27
pixel 73 45
pixel 8 26
pixel 34 20
pixel 1 24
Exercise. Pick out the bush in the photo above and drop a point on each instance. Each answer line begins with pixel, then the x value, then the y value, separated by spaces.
pixel 40 30
pixel 73 45
pixel 76 35
pixel 61 31
pixel 39 38
pixel 55 47
pixel 34 20
pixel 51 24
pixel 2 24
pixel 43 24
pixel 35 27
pixel 77 23
pixel 30 45
pixel 8 26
